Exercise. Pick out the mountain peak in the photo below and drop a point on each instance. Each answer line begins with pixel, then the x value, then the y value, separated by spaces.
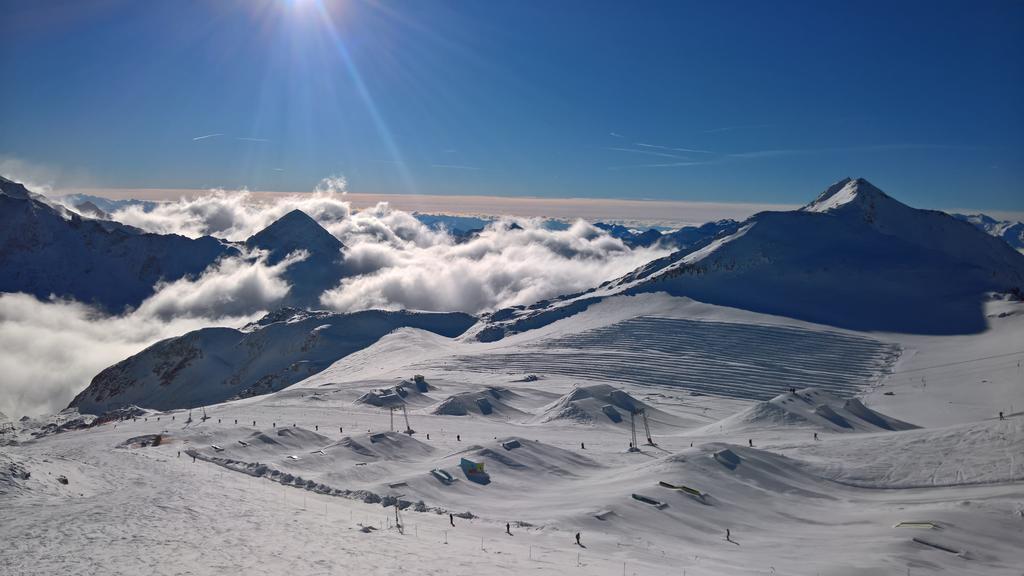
pixel 295 230
pixel 847 192
pixel 13 189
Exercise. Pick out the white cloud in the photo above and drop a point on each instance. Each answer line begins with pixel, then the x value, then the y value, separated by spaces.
pixel 506 265
pixel 232 287
pixel 49 351
pixel 235 215
pixel 394 260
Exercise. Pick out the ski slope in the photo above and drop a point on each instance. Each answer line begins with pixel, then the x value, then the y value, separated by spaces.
pixel 724 359
pixel 294 480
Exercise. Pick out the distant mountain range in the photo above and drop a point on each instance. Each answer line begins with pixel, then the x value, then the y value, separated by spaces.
pixel 47 250
pixel 853 258
pixel 1011 232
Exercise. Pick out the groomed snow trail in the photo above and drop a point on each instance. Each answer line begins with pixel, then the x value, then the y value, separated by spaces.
pixel 724 359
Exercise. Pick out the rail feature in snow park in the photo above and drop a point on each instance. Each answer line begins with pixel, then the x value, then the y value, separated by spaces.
pixel 649 501
pixel 443 476
pixel 938 546
pixel 692 492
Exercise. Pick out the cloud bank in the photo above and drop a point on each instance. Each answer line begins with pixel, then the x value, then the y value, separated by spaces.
pixel 395 261
pixel 49 351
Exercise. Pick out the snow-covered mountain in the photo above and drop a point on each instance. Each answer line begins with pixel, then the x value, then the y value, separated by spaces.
pixel 853 258
pixel 48 250
pixel 1011 232
pixel 87 208
pixel 323 266
pixel 105 205
pixel 214 364
pixel 680 239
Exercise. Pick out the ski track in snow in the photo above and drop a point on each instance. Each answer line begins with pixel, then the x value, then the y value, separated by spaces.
pixel 724 359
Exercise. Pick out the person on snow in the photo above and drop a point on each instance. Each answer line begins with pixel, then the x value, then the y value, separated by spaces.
pixel 578 539
pixel 751 441
pixel 508 528
pixel 451 518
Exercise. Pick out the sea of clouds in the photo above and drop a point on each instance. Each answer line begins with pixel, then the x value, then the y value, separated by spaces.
pixel 50 350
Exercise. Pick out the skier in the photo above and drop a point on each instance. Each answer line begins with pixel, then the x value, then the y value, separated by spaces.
pixel 815 435
pixel 253 422
pixel 317 427
pixel 508 528
pixel 179 453
pixel 578 539
pixel 341 430
pixel 582 447
pixel 428 435
pixel 193 458
pixel 728 536
pixel 458 438
pixel 751 441
pixel 1001 416
pixel 451 518
pixel 236 421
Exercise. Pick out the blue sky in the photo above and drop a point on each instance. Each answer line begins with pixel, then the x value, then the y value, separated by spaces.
pixel 709 101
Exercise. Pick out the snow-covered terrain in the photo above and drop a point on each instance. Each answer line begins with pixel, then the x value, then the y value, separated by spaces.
pixel 214 364
pixel 759 403
pixel 1011 232
pixel 853 258
pixel 306 478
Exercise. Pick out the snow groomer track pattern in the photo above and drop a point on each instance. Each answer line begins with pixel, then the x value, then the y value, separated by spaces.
pixel 723 359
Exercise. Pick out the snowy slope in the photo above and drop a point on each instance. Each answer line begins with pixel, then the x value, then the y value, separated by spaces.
pixel 214 364
pixel 813 408
pixel 1011 232
pixel 292 481
pixel 47 250
pixel 853 258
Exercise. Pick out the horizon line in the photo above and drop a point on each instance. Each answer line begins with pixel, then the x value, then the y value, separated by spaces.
pixel 652 210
